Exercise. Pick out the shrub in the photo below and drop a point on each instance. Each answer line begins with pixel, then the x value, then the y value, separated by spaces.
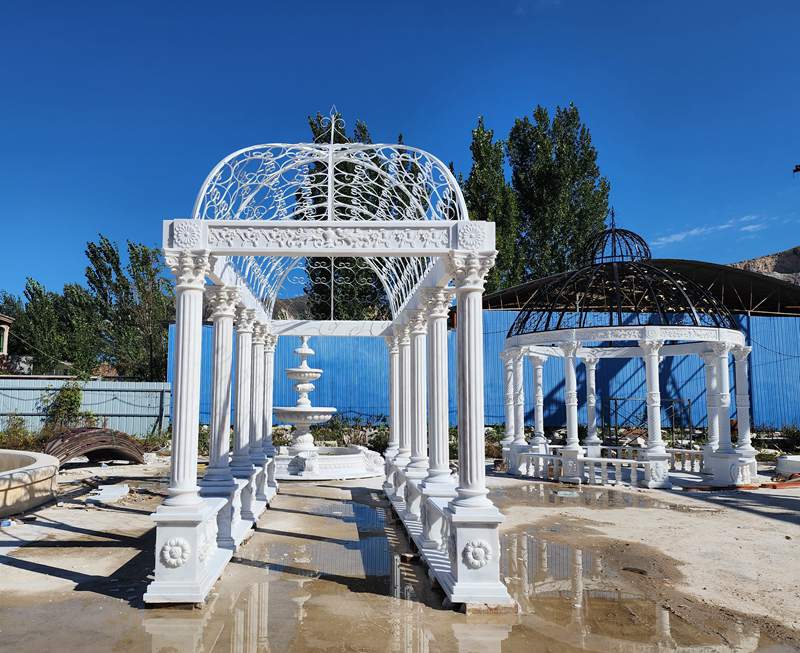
pixel 62 409
pixel 15 435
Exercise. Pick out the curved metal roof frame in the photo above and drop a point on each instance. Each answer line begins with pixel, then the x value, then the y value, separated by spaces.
pixel 330 182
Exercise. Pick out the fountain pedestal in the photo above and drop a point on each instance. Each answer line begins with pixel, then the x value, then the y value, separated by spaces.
pixel 303 459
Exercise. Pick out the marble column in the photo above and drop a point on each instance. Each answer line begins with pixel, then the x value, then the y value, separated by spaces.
pixel 592 441
pixel 474 543
pixel 656 452
pixel 712 430
pixel 186 524
pixel 256 433
pixel 439 485
pixel 571 471
pixel 218 480
pixel 519 397
pixel 469 273
pixel 744 446
pixel 241 465
pixel 539 441
pixel 270 344
pixel 393 348
pixel 728 467
pixel 404 451
pixel 417 469
pixel 222 301
pixel 722 351
pixel 507 356
pixel 190 271
pixel 570 350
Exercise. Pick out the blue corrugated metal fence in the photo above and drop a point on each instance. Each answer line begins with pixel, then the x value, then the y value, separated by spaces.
pixel 355 378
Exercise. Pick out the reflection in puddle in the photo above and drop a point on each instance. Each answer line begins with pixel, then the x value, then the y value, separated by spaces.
pixel 553 494
pixel 296 591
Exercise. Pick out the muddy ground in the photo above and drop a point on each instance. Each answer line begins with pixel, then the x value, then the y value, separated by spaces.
pixel 328 568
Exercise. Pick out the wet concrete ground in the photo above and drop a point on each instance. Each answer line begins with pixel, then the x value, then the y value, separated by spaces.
pixel 329 569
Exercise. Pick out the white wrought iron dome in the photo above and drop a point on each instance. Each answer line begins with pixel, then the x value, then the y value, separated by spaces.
pixel 331 182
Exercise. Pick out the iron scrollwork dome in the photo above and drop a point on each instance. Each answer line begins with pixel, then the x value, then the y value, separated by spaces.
pixel 619 288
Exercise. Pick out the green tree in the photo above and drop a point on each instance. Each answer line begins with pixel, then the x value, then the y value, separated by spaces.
pixel 134 304
pixel 489 197
pixel 343 288
pixel 562 198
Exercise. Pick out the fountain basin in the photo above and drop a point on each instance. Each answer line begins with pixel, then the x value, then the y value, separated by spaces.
pixel 788 465
pixel 27 480
pixel 304 415
pixel 327 464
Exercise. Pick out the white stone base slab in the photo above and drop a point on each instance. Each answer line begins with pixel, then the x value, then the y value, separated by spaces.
pixel 730 469
pixel 188 559
pixel 487 593
pixel 328 464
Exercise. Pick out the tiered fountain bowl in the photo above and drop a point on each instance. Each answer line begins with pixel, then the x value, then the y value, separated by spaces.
pixel 303 459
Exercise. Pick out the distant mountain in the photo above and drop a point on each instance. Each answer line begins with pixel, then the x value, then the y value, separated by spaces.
pixel 783 265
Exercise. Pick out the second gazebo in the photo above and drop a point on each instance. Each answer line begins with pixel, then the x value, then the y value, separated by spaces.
pixel 622 306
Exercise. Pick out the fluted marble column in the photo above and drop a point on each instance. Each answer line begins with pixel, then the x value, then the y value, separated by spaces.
pixel 519 398
pixel 439 481
pixel 592 441
pixel 241 464
pixel 469 271
pixel 256 450
pixel 507 356
pixel 417 468
pixel 539 440
pixel 270 343
pixel 393 348
pixel 743 445
pixel 257 395
pixel 222 300
pixel 190 272
pixel 404 396
pixel 403 457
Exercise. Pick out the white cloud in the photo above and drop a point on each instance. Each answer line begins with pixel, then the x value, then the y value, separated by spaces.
pixel 745 223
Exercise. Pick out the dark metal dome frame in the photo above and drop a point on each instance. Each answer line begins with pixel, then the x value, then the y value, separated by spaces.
pixel 619 288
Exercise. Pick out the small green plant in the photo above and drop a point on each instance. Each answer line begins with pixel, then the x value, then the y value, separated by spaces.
pixel 15 435
pixel 62 409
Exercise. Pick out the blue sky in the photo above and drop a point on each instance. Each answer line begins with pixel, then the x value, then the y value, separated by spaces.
pixel 111 114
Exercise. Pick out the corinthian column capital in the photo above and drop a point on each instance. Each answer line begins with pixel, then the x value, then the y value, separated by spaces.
pixel 741 352
pixel 260 332
pixel 437 301
pixel 222 301
pixel 189 268
pixel 418 322
pixel 392 343
pixel 270 342
pixel 245 319
pixel 651 346
pixel 469 269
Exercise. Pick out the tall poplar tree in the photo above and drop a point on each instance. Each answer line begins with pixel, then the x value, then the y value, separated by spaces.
pixel 490 198
pixel 562 198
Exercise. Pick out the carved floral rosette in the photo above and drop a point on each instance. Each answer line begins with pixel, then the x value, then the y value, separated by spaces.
pixel 476 554
pixel 175 552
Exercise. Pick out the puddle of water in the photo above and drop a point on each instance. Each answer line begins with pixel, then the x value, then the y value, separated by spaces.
pixel 553 494
pixel 349 584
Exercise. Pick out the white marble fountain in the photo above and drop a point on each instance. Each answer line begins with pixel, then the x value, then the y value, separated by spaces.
pixel 303 459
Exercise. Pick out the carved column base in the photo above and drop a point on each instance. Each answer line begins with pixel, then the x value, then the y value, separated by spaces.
pixel 231 529
pixel 515 466
pixel 188 560
pixel 729 469
pixel 399 478
pixel 474 550
pixel 413 498
pixel 506 445
pixel 571 468
pixel 658 474
pixel 251 506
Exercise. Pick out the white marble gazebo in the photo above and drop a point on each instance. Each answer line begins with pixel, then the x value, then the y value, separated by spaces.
pixel 620 307
pixel 262 214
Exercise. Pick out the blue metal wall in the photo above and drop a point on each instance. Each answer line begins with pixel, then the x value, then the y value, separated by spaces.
pixel 355 378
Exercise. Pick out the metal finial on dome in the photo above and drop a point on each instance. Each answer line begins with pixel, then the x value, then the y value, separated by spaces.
pixel 614 245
